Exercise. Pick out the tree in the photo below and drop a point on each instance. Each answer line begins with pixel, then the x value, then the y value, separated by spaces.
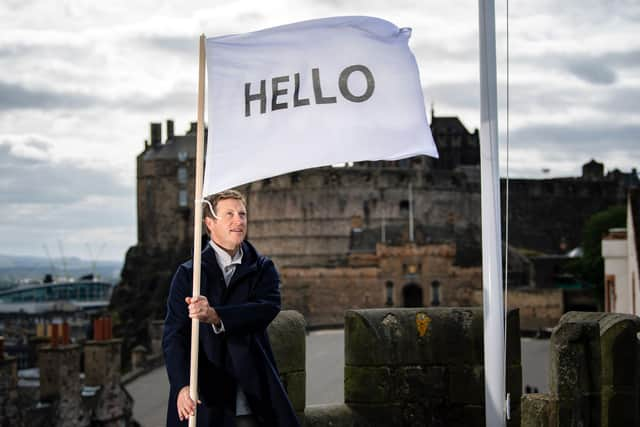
pixel 590 267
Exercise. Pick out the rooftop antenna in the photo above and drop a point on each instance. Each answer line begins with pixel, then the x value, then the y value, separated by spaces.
pixel 64 261
pixel 51 265
pixel 93 260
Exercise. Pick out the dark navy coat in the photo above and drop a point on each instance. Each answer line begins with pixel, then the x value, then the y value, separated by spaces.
pixel 240 355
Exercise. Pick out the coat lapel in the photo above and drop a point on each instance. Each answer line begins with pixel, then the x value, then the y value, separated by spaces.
pixel 245 268
pixel 215 287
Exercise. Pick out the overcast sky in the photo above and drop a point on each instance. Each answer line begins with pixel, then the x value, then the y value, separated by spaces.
pixel 80 81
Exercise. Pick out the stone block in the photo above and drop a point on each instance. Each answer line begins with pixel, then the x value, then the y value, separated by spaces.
pixel 333 415
pixel 466 384
pixel 575 372
pixel 414 414
pixel 539 410
pixel 418 383
pixel 368 384
pixel 288 339
pixel 59 372
pixel 378 415
pixel 620 370
pixel 113 405
pixel 474 416
pixel 8 373
pixel 393 337
pixel 295 385
pixel 102 361
pixel 10 415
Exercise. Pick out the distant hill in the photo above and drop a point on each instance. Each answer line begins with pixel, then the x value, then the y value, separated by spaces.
pixel 14 268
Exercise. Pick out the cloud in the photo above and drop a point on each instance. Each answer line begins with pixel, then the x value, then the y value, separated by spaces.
pixel 14 96
pixel 593 71
pixel 45 201
pixel 462 95
pixel 626 59
pixel 621 100
pixel 187 45
pixel 28 175
pixel 176 99
pixel 583 135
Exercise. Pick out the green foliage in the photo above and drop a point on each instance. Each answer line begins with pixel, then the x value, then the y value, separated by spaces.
pixel 590 267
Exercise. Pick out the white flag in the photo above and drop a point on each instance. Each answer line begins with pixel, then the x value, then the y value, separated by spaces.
pixel 310 94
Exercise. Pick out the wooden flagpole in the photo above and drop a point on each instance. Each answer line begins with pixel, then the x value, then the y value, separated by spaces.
pixel 197 231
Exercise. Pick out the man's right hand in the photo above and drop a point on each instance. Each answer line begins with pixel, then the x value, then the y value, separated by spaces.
pixel 186 406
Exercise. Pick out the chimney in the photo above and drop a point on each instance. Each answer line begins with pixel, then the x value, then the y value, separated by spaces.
pixel 156 134
pixel 59 372
pixel 10 410
pixel 54 335
pixel 66 339
pixel 193 127
pixel 169 130
pixel 102 355
pixel 35 344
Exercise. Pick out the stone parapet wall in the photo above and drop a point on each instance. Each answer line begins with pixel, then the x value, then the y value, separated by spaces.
pixel 575 372
pixel 287 334
pixel 60 387
pixel 594 376
pixel 424 366
pixel 102 362
pixel 10 414
pixel 619 375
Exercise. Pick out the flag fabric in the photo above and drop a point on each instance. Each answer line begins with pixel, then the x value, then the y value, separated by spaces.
pixel 311 94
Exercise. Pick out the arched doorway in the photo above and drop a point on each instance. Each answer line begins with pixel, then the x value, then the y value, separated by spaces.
pixel 412 295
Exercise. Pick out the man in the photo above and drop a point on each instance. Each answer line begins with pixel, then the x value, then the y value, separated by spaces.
pixel 238 381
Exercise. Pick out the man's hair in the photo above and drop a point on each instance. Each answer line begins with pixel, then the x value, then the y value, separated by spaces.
pixel 213 199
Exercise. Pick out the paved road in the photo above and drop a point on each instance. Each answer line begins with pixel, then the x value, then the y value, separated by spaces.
pixel 325 375
pixel 150 393
pixel 535 364
pixel 325 367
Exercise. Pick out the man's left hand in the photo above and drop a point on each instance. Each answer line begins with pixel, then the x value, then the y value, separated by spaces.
pixel 200 309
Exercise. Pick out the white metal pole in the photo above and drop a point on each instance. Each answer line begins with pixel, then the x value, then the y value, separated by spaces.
pixel 197 231
pixel 493 294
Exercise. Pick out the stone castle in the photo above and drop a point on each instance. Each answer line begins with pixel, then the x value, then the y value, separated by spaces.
pixel 370 234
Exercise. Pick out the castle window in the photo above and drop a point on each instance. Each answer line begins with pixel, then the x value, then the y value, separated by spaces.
pixel 389 293
pixel 404 205
pixel 182 198
pixel 435 293
pixel 182 156
pixel 182 175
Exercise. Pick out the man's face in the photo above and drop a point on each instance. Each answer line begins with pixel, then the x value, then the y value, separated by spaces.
pixel 230 229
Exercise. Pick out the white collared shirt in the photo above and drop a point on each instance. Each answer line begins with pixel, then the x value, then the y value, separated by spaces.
pixel 228 265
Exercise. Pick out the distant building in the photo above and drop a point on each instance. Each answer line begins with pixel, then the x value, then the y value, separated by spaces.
pixel 620 253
